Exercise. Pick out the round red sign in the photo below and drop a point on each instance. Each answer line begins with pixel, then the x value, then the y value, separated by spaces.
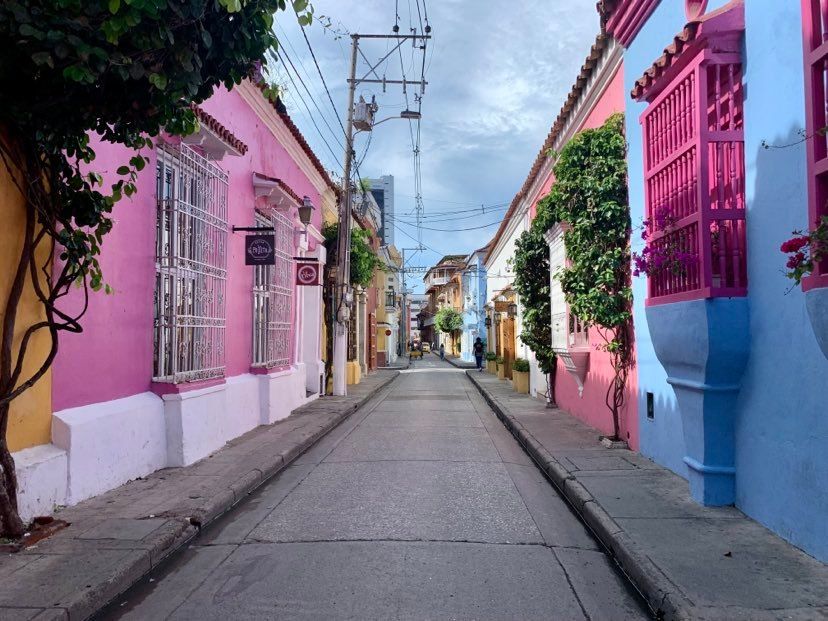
pixel 307 274
pixel 388 333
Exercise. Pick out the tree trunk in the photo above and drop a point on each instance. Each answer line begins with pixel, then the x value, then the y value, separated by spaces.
pixel 10 523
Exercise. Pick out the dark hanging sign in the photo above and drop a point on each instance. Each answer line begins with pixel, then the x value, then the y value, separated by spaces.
pixel 307 273
pixel 259 249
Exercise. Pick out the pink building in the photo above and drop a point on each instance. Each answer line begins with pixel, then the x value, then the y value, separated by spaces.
pixel 584 371
pixel 193 347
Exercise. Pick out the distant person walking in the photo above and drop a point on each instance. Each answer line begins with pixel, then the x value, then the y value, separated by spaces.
pixel 442 351
pixel 478 353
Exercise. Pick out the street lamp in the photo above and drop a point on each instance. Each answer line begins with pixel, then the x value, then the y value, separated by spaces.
pixel 488 322
pixel 306 211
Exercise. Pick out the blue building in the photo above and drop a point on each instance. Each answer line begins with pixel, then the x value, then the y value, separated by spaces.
pixel 474 300
pixel 726 160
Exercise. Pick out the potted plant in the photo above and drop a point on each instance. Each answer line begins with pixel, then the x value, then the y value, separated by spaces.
pixel 501 367
pixel 491 362
pixel 520 375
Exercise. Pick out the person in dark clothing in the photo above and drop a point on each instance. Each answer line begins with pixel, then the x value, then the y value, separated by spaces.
pixel 478 353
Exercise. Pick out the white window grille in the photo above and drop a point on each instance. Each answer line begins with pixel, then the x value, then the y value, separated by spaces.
pixel 273 297
pixel 190 267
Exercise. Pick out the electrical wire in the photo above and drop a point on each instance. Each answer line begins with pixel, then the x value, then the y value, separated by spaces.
pixel 310 114
pixel 322 77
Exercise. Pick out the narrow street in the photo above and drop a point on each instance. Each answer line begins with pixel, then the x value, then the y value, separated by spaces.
pixel 421 505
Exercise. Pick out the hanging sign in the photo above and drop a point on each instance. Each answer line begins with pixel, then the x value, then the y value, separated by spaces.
pixel 259 249
pixel 501 307
pixel 307 273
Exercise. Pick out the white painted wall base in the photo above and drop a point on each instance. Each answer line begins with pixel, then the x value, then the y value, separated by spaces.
pixel 243 408
pixel 282 392
pixel 41 479
pixel 103 445
pixel 109 443
pixel 195 424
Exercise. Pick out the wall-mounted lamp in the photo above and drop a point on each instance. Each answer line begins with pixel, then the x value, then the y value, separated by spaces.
pixel 512 310
pixel 306 211
pixel 488 322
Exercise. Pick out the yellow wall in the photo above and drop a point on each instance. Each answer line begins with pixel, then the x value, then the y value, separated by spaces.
pixel 30 418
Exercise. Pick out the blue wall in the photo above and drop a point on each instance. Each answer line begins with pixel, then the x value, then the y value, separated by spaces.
pixel 782 424
pixel 782 408
pixel 474 317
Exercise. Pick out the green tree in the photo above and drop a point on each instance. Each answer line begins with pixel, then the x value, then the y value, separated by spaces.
pixel 448 320
pixel 124 70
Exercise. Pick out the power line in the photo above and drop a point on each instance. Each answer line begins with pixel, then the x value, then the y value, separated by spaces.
pixel 310 114
pixel 322 77
pixel 283 53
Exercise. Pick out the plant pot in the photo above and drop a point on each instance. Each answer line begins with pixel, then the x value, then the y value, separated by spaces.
pixel 520 380
pixel 491 367
pixel 501 371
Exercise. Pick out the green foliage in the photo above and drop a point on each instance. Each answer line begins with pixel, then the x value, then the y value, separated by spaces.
pixel 590 195
pixel 531 268
pixel 448 320
pixel 124 69
pixel 499 360
pixel 364 262
pixel 491 356
pixel 521 365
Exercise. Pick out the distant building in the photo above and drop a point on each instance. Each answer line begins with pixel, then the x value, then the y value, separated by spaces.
pixel 417 302
pixel 382 190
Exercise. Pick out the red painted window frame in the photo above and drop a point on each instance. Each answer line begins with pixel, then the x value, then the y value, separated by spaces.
pixel 814 28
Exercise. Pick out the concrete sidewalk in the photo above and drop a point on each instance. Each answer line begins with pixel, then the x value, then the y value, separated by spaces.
pixel 689 561
pixel 116 538
pixel 460 363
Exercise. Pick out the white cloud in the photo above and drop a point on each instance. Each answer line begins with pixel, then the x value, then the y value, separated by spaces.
pixel 498 74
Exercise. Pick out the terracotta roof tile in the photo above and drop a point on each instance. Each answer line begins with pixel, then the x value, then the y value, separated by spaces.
pixel 288 190
pixel 672 53
pixel 218 129
pixel 282 111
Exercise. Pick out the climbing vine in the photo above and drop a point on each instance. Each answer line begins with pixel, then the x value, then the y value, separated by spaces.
pixel 531 268
pixel 590 195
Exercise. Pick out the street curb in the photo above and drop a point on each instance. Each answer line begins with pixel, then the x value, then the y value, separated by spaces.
pixel 178 532
pixel 664 599
pixel 460 366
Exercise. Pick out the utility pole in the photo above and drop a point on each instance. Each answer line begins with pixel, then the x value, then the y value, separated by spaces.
pixel 343 294
pixel 343 266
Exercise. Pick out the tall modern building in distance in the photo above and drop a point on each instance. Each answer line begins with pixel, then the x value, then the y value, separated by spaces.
pixel 383 191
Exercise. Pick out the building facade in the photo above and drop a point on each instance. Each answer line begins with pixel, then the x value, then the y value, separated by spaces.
pixel 382 190
pixel 193 347
pixel 473 288
pixel 725 107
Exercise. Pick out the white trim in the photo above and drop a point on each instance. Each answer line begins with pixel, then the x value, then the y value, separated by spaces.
pixel 265 111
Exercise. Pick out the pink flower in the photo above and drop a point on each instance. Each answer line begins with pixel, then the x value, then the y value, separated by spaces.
pixel 795 244
pixel 795 261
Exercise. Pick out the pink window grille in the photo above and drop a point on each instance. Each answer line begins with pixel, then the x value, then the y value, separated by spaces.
pixel 694 163
pixel 815 35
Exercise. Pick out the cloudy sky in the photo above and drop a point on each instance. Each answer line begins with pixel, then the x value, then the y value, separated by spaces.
pixel 497 73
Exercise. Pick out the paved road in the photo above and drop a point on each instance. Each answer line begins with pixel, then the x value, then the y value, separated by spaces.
pixel 420 506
